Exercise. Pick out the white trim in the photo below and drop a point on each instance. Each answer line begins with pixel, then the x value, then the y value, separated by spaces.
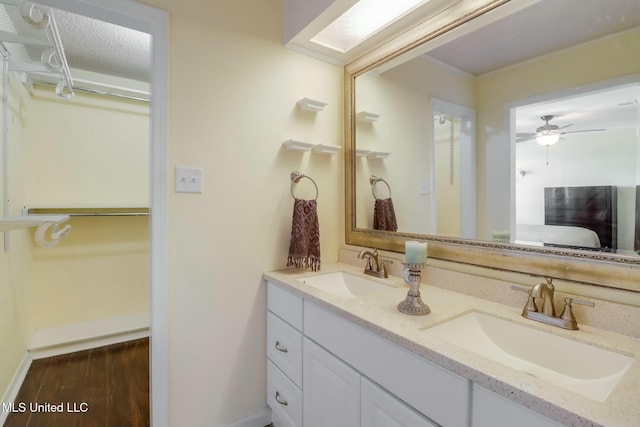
pixel 14 386
pixel 104 329
pixel 74 346
pixel 155 21
pixel 259 419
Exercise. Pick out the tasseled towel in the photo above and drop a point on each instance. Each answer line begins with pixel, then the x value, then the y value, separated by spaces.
pixel 384 217
pixel 304 247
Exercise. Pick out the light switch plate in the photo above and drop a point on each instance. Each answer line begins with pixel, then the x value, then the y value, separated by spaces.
pixel 188 180
pixel 425 187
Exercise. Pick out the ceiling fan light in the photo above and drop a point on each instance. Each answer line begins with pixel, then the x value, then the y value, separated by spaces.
pixel 548 139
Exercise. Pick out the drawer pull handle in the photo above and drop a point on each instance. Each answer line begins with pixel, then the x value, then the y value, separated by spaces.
pixel 280 401
pixel 280 348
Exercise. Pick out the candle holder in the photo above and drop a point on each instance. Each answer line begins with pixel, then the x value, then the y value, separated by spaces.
pixel 413 304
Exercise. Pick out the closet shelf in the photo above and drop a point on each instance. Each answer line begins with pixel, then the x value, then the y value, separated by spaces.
pixel 74 211
pixel 9 223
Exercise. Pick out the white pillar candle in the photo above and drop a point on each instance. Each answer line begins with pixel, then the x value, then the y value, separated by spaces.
pixel 415 252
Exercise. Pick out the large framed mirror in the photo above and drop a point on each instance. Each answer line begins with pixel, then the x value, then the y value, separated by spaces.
pixel 502 142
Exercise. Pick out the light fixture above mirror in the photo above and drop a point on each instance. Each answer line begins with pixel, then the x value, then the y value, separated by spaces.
pixel 361 21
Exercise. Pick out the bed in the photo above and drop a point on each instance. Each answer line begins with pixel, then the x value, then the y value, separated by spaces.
pixel 575 217
pixel 539 234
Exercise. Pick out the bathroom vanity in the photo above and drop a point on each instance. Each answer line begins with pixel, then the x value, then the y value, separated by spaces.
pixel 339 353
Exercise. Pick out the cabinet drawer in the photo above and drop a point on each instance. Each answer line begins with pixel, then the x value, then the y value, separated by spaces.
pixel 284 347
pixel 283 397
pixel 286 305
pixel 435 392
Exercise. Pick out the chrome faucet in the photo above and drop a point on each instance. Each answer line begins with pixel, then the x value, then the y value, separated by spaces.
pixel 374 266
pixel 547 312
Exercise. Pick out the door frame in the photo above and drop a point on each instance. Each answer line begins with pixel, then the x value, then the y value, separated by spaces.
pixel 154 21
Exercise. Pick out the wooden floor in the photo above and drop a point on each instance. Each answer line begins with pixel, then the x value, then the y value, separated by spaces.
pixel 106 386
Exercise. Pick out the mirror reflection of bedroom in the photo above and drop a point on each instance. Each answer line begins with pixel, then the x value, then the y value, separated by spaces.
pixel 576 163
pixel 74 258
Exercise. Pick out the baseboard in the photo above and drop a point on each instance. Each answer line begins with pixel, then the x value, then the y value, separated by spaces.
pixel 83 336
pixel 12 390
pixel 259 419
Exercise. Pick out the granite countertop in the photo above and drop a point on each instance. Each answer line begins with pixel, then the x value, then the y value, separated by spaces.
pixel 377 313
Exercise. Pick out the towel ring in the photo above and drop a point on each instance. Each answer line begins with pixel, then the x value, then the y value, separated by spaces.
pixel 296 177
pixel 373 180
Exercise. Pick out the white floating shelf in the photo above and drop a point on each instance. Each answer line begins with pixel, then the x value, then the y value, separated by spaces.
pixel 367 116
pixel 378 155
pixel 361 152
pixel 292 144
pixel 9 223
pixel 326 149
pixel 308 104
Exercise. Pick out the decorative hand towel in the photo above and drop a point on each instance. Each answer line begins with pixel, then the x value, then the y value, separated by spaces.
pixel 384 217
pixel 304 247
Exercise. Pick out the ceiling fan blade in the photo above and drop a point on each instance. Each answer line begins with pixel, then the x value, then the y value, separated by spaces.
pixel 525 134
pixel 525 138
pixel 580 131
pixel 565 126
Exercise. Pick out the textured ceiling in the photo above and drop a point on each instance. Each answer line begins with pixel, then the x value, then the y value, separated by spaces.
pixel 104 48
pixel 89 44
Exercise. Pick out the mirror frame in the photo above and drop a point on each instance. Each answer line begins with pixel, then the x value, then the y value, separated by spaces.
pixel 595 268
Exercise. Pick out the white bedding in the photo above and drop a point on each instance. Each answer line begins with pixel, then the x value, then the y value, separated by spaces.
pixel 557 234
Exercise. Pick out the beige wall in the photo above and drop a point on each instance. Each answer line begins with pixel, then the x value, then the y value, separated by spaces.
pixel 73 153
pixel 233 93
pixel 403 98
pixel 14 264
pixel 75 158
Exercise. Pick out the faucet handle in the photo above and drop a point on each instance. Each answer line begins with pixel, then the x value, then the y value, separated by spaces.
pixel 383 267
pixel 567 313
pixel 580 301
pixel 530 306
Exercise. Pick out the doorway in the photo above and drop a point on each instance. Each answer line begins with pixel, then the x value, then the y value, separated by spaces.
pixel 130 14
pixel 454 170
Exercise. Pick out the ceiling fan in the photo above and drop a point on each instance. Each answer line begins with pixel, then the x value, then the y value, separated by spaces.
pixel 549 134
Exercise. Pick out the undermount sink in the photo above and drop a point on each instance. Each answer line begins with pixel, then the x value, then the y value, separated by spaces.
pixel 584 369
pixel 344 285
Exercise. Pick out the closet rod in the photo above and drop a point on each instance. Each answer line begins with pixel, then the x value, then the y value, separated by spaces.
pixel 110 214
pixel 88 211
pixel 94 91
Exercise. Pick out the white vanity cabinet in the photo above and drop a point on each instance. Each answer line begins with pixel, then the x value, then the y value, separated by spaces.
pixel 379 408
pixel 493 410
pixel 331 389
pixel 323 370
pixel 435 392
pixel 284 357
